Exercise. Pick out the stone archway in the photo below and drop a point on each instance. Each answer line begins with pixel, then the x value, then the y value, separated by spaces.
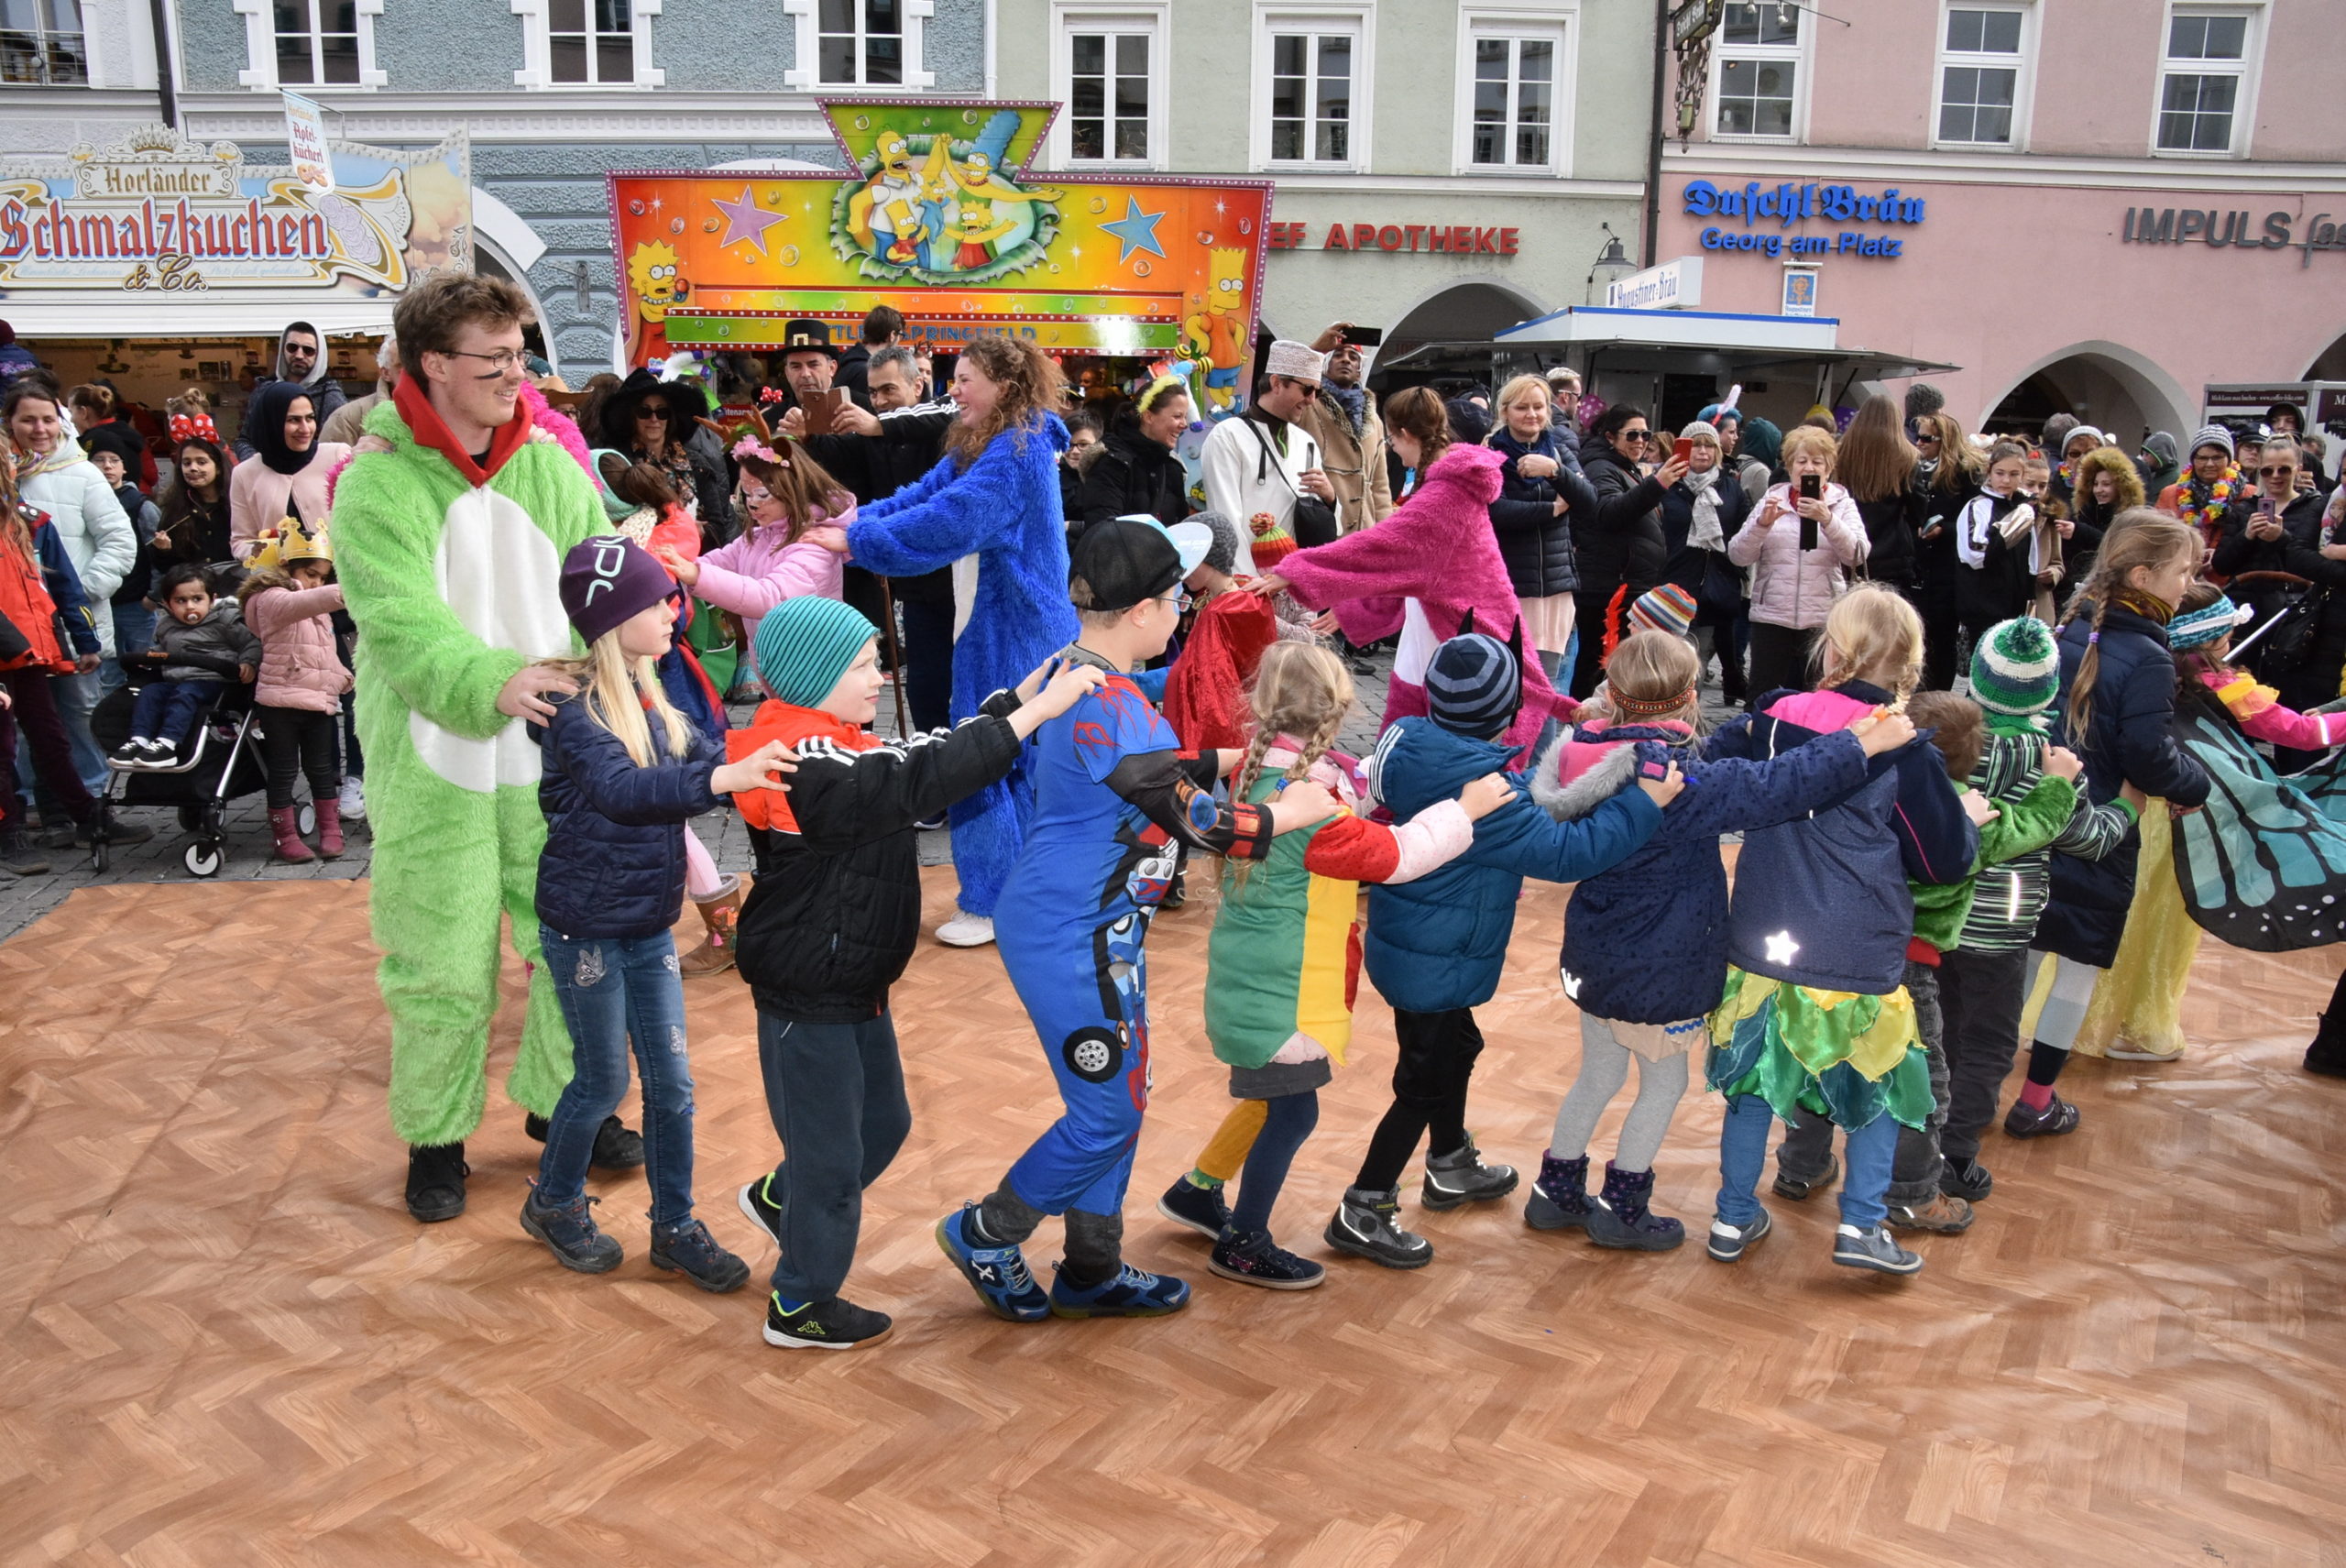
pixel 1471 309
pixel 2329 364
pixel 2108 385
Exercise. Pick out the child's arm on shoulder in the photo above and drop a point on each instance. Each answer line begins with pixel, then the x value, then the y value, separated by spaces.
pixel 842 799
pixel 1730 794
pixel 2031 822
pixel 1361 851
pixel 1523 839
pixel 1935 837
pixel 595 762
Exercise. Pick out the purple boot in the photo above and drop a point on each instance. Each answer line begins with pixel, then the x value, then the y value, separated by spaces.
pixel 1558 1200
pixel 1620 1218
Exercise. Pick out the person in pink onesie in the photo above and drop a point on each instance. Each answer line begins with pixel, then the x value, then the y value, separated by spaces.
pixel 1430 571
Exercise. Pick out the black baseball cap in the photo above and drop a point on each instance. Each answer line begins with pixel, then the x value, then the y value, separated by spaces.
pixel 1125 561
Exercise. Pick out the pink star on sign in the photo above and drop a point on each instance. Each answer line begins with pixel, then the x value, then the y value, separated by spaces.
pixel 745 220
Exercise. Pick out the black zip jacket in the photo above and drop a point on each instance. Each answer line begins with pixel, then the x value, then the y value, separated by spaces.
pixel 1133 476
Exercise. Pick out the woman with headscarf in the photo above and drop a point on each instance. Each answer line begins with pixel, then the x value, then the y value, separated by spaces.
pixel 288 476
pixel 653 422
pixel 1759 457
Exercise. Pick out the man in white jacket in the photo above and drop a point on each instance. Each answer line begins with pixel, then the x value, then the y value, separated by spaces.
pixel 1259 463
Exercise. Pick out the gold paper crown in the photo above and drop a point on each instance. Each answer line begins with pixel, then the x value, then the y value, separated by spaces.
pixel 286 543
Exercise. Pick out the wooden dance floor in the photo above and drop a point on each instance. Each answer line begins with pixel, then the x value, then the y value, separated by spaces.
pixel 222 1341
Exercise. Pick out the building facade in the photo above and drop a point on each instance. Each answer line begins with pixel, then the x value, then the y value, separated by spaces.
pixel 2095 204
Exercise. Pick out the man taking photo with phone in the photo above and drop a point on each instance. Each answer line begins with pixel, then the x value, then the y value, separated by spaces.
pixel 1342 419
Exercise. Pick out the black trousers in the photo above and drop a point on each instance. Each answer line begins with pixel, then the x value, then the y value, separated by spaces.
pixel 1942 630
pixel 1430 1077
pixel 929 661
pixel 300 741
pixel 1779 657
pixel 1980 996
pixel 1592 612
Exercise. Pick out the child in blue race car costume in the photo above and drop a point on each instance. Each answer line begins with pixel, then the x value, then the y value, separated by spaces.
pixel 1113 799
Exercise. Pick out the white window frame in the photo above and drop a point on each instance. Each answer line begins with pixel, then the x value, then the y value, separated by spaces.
pixel 537 51
pixel 2022 66
pixel 807 50
pixel 1150 18
pixel 1802 57
pixel 260 48
pixel 90 76
pixel 2248 73
pixel 1556 24
pixel 1357 18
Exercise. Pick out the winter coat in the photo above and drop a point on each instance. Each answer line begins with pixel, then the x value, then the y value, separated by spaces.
pixel 1935 561
pixel 2324 661
pixel 1619 541
pixel 144 517
pixel 194 530
pixel 764 566
pixel 1439 942
pixel 211 650
pixel 1645 942
pixel 874 467
pixel 1684 564
pixel 1792 587
pixel 1421 572
pixel 1133 476
pixel 614 859
pixel 2129 739
pixel 1355 461
pixel 261 499
pixel 299 667
pixel 38 592
pixel 1535 543
pixel 835 912
pixel 90 522
pixel 1821 900
pixel 1891 525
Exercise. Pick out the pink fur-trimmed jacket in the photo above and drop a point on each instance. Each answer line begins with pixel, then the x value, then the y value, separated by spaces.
pixel 756 572
pixel 1435 551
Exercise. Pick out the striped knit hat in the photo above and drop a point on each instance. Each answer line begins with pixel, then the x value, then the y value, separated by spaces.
pixel 1668 609
pixel 1475 686
pixel 2016 668
pixel 2200 627
pixel 804 644
pixel 2214 435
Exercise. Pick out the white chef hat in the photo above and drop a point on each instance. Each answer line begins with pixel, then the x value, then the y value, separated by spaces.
pixel 1297 360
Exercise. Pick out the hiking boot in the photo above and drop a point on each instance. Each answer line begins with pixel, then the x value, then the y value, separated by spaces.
pixel 617 1146
pixel 1728 1243
pixel 18 856
pixel 687 1248
pixel 834 1325
pixel 1940 1214
pixel 287 831
pixel 2024 1121
pixel 1621 1219
pixel 1798 1191
pixel 1558 1200
pixel 1368 1225
pixel 1874 1248
pixel 1969 1182
pixel 435 1181
pixel 762 1210
pixel 1199 1208
pixel 997 1273
pixel 570 1234
pixel 1461 1177
pixel 1252 1257
pixel 1129 1293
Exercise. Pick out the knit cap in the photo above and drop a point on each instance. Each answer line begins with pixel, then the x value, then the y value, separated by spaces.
pixel 1667 609
pixel 804 644
pixel 1224 554
pixel 608 579
pixel 2016 668
pixel 1475 686
pixel 1271 543
pixel 2199 628
pixel 2213 435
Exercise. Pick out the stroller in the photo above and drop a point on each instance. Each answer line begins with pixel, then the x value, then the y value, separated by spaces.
pixel 219 762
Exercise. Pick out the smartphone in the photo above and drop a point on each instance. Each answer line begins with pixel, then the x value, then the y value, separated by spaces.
pixel 1812 489
pixel 1364 336
pixel 1683 451
pixel 822 410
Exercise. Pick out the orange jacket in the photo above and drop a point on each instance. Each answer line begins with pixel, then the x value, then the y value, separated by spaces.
pixel 790 724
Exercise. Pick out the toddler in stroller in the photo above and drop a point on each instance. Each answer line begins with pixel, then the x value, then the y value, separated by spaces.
pixel 200 645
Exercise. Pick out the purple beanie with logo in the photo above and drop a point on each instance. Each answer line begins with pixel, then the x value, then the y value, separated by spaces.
pixel 606 579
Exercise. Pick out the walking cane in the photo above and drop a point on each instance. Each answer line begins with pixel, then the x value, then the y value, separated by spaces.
pixel 895 655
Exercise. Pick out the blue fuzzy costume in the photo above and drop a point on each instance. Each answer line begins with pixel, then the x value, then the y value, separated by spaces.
pixel 1005 509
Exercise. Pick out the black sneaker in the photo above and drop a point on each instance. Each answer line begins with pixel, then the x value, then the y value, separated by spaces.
pixel 1199 1208
pixel 118 832
pixel 617 1146
pixel 687 1248
pixel 1368 1225
pixel 1461 1177
pixel 824 1325
pixel 1970 1182
pixel 570 1233
pixel 2024 1121
pixel 765 1213
pixel 1252 1257
pixel 1798 1191
pixel 18 858
pixel 435 1181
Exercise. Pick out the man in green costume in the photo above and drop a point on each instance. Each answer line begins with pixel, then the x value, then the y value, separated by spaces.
pixel 449 529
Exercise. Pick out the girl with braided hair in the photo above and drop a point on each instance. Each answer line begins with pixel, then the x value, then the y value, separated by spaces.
pixel 1284 958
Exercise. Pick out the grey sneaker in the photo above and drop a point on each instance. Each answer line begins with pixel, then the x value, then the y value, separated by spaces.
pixel 1368 1225
pixel 1728 1243
pixel 1461 1177
pixel 1875 1249
pixel 570 1234
pixel 687 1248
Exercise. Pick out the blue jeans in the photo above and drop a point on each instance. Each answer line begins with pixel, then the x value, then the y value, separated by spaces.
pixel 1743 1153
pixel 133 628
pixel 613 989
pixel 166 710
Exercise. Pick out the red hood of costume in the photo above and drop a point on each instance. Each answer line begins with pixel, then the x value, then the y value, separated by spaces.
pixel 423 422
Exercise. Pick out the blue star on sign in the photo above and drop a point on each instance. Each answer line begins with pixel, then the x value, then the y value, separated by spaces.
pixel 1135 230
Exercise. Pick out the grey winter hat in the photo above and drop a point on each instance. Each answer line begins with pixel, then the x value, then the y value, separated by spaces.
pixel 2213 435
pixel 1223 553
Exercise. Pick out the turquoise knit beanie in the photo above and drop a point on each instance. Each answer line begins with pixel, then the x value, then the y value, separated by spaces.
pixel 804 644
pixel 2016 668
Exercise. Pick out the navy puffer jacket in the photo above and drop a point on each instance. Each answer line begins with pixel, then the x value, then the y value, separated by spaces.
pixel 1439 942
pixel 2130 738
pixel 614 860
pixel 1535 543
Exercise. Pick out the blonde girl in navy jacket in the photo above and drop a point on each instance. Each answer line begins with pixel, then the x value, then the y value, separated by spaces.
pixel 623 772
pixel 1645 944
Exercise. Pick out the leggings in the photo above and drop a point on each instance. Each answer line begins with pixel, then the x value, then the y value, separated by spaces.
pixel 1286 1122
pixel 701 880
pixel 1430 1079
pixel 300 741
pixel 1603 1069
pixel 2064 1010
pixel 1779 657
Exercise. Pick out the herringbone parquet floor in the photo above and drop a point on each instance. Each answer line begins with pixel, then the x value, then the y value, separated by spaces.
pixel 222 1341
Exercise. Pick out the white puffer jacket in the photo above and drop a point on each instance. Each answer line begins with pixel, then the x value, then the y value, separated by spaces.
pixel 1792 587
pixel 91 524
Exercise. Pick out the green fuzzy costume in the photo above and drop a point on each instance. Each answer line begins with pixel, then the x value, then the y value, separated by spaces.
pixel 453 588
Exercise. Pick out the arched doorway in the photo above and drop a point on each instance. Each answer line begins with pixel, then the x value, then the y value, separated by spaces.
pixel 1457 312
pixel 2107 385
pixel 2329 364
